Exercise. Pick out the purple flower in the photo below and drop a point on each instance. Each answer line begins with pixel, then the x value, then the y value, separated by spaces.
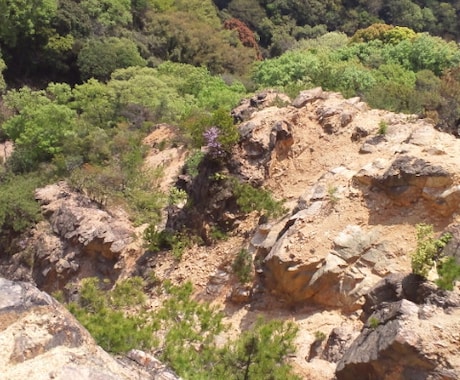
pixel 213 145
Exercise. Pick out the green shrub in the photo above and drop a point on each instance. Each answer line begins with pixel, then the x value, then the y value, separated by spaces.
pixel 176 242
pixel 18 208
pixel 332 194
pixel 428 251
pixel 118 53
pixel 383 127
pixel 251 199
pixel 373 322
pixel 448 271
pixel 242 266
pixel 176 196
pixel 102 315
pixel 319 336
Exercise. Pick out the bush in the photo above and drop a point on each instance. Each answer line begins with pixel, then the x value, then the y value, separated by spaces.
pixel 113 329
pixel 251 199
pixel 193 162
pixel 177 242
pixel 18 207
pixel 242 266
pixel 117 53
pixel 448 271
pixel 429 250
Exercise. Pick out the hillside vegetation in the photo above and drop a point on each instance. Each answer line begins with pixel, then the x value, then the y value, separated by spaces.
pixel 82 83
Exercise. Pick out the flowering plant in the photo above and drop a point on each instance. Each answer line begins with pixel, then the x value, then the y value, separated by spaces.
pixel 211 136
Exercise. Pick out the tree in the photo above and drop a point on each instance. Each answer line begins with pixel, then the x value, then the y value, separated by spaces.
pixel 109 13
pixel 39 130
pixel 259 353
pixel 449 107
pixel 95 102
pixel 117 53
pixel 22 20
pixel 180 37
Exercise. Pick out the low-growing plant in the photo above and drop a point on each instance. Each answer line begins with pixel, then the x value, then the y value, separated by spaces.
pixel 242 266
pixel 449 272
pixel 279 103
pixel 217 234
pixel 171 240
pixel 332 194
pixel 251 199
pixel 374 322
pixel 383 128
pixel 319 336
pixel 193 162
pixel 177 196
pixel 428 251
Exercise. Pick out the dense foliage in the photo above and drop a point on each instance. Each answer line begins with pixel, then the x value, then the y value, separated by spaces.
pixel 391 68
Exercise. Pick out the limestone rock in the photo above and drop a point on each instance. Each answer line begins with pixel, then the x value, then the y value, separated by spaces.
pixel 41 340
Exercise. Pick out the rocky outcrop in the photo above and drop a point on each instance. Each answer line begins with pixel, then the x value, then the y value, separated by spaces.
pixel 259 145
pixel 77 239
pixel 261 100
pixel 339 278
pixel 406 339
pixel 359 173
pixel 407 180
pixel 40 339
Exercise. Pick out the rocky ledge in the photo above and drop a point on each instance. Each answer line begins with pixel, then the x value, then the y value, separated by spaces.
pixel 41 340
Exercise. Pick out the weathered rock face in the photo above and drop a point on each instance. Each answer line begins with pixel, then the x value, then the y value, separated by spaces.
pixel 40 339
pixel 263 99
pixel 406 340
pixel 409 179
pixel 339 278
pixel 354 191
pixel 78 239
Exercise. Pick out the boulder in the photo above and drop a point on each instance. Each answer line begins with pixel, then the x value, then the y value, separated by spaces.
pixel 337 343
pixel 407 180
pixel 398 286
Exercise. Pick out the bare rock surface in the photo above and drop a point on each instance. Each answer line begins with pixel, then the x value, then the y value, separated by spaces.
pixel 352 191
pixel 78 239
pixel 405 340
pixel 267 98
pixel 40 339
